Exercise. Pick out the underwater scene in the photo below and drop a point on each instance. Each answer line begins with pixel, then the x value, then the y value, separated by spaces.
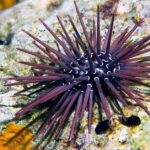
pixel 74 74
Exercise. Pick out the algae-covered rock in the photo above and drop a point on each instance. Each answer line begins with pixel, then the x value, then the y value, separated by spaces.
pixel 9 140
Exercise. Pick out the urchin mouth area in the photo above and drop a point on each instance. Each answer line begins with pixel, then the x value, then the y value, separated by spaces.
pixel 107 65
pixel 100 70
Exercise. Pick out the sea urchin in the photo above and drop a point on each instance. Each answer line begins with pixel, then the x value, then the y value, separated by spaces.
pixel 82 72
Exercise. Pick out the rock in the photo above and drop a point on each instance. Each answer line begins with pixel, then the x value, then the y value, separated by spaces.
pixel 55 2
pixel 145 11
pixel 49 3
pixel 124 7
pixel 123 137
pixel 7 113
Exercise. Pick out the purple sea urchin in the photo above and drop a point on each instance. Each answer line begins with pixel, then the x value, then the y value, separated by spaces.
pixel 86 72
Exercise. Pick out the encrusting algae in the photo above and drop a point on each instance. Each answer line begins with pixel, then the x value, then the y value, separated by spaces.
pixel 7 3
pixel 10 140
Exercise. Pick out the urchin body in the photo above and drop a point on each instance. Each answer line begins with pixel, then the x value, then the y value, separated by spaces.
pixel 84 74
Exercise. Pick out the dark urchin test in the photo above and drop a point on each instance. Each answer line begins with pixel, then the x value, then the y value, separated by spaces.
pixel 80 73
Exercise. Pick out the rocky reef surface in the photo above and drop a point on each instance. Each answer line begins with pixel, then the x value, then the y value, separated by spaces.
pixel 25 15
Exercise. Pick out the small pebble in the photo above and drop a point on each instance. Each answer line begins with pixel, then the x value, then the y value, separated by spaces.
pixel 123 137
pixel 123 9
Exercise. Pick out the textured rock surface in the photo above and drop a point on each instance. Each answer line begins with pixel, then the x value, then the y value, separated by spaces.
pixel 25 16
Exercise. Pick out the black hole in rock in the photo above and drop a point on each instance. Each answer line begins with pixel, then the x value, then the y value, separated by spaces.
pixel 102 127
pixel 2 42
pixel 131 121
